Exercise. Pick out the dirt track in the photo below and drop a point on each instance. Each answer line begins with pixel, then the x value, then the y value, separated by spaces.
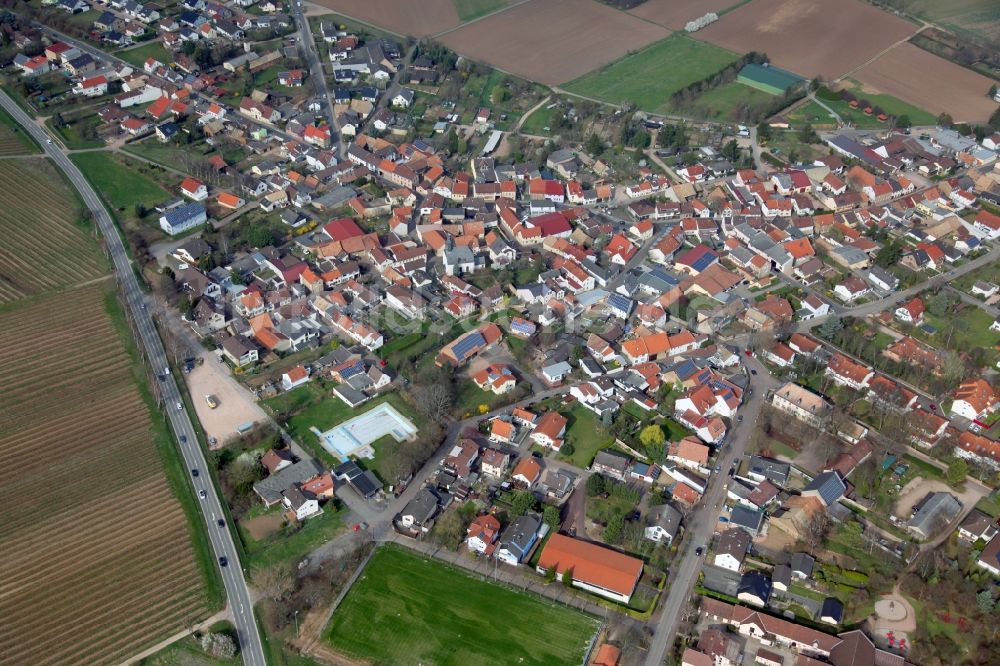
pixel 809 37
pixel 552 41
pixel 930 83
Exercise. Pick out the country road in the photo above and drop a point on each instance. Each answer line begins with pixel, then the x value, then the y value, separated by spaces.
pixel 212 511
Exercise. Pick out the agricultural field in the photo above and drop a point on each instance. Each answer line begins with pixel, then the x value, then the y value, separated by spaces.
pixel 648 78
pixel 407 609
pixel 553 41
pixel 46 246
pixel 13 141
pixel 403 17
pixel 929 82
pixel 808 37
pixel 978 18
pixel 469 10
pixel 675 14
pixel 92 529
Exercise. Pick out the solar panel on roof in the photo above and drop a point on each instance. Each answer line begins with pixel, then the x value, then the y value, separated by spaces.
pixel 620 302
pixel 468 344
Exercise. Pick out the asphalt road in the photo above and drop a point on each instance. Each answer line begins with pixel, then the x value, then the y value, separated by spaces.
pixel 316 72
pixel 701 522
pixel 220 538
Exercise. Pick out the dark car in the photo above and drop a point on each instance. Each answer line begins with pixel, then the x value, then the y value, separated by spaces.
pixel 194 472
pixel 752 371
pixel 699 550
pixel 184 439
pixel 221 522
pixel 223 561
pixel 732 472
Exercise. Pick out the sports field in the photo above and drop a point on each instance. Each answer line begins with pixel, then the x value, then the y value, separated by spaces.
pixel 406 609
pixel 649 77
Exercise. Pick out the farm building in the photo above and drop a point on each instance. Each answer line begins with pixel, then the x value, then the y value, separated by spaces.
pixel 770 79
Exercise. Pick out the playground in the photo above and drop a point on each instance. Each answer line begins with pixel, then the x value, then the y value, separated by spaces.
pixel 355 436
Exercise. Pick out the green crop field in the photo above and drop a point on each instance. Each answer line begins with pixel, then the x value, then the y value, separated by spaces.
pixel 469 10
pixel 406 609
pixel 979 18
pixel 649 77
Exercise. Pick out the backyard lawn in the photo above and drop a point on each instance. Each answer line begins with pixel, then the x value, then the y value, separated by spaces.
pixel 140 54
pixel 585 432
pixel 407 609
pixel 649 77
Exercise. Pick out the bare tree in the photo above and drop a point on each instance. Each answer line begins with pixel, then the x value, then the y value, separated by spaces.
pixel 816 530
pixel 433 401
pixel 275 582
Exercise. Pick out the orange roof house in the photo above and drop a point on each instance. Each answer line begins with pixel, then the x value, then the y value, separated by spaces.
pixel 594 568
pixel 527 471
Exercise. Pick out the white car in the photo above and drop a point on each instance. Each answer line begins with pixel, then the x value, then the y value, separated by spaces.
pixel 202 494
pixel 49 141
pixel 179 406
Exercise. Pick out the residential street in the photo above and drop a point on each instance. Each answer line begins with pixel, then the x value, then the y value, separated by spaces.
pixel 702 521
pixel 220 539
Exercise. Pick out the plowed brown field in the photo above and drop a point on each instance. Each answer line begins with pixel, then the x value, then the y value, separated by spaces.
pixel 553 41
pixel 929 82
pixel 809 37
pixel 675 14
pixel 417 18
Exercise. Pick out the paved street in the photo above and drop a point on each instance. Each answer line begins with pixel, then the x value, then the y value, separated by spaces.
pixel 316 73
pixel 220 538
pixel 701 522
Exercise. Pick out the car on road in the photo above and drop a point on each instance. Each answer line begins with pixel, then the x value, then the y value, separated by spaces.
pixel 933 407
pixel 202 494
pixel 732 472
pixel 220 522
pixel 184 439
pixel 223 561
pixel 699 550
pixel 48 141
pixel 718 468
pixel 194 472
pixel 752 371
pixel 179 406
pixel 739 419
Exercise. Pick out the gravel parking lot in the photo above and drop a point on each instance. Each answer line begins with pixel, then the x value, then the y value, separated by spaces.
pixel 237 406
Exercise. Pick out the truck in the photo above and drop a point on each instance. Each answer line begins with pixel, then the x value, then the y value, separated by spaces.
pixel 212 401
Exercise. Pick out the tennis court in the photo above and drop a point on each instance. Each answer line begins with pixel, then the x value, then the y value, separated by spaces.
pixel 355 436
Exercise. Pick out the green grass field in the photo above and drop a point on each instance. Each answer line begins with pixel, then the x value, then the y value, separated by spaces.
pixel 722 102
pixel 812 113
pixel 406 609
pixel 469 10
pixel 891 105
pixel 538 122
pixel 979 18
pixel 78 132
pixel 584 431
pixel 138 55
pixel 119 181
pixel 649 77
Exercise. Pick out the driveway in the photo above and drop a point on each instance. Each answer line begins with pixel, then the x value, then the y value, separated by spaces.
pixel 237 406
